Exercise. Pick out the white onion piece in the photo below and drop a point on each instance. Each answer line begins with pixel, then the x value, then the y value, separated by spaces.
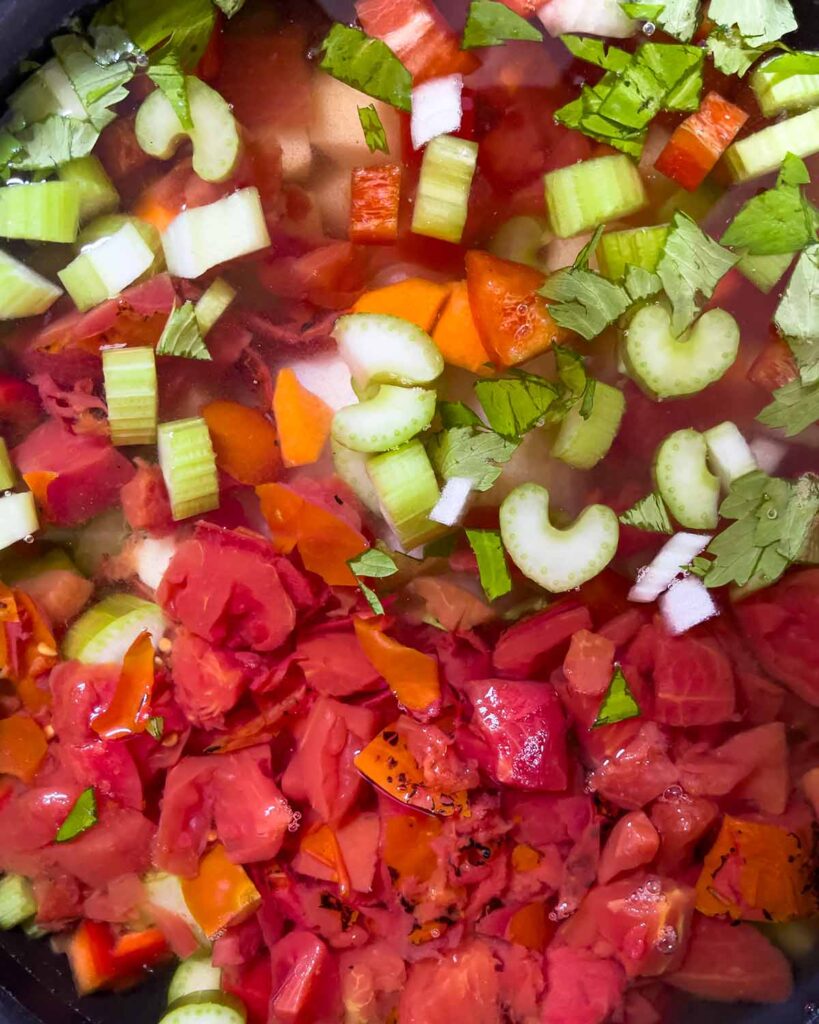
pixel 686 604
pixel 453 501
pixel 436 109
pixel 768 453
pixel 590 17
pixel 152 557
pixel 328 377
pixel 668 563
pixel 729 454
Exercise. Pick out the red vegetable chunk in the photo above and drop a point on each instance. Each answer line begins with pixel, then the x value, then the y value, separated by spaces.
pixel 537 643
pixel 693 682
pixel 463 985
pixel 694 148
pixel 582 988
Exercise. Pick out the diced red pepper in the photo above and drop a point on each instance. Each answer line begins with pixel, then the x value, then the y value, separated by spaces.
pixel 29 652
pixel 775 366
pixel 98 960
pixel 697 144
pixel 375 198
pixel 221 894
pixel 512 319
pixel 128 711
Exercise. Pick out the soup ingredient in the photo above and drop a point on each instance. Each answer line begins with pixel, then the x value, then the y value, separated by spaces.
pixel 686 604
pixel 105 632
pixel 618 703
pixel 367 65
pixel 648 513
pixel 375 198
pixel 182 336
pixel 492 568
pixel 489 24
pixel 765 150
pixel 692 264
pixel 188 465
pixel 415 299
pixel 558 560
pixel 46 211
pixel 436 109
pixel 303 420
pixel 411 675
pixel 635 247
pixel 104 269
pixel 18 518
pixel 17 902
pixel 97 193
pixel 456 334
pixel 787 82
pixel 23 292
pixel 697 144
pixel 382 349
pixel 684 481
pixel 407 490
pixel 442 198
pixel 194 975
pixel 587 433
pixel 220 893
pixel 388 419
pixel 728 453
pixel 81 817
pixel 99 960
pixel 794 408
pixel 213 304
pixel 131 394
pixel 673 558
pixel 244 441
pixel 452 505
pixel 604 19
pixel 582 196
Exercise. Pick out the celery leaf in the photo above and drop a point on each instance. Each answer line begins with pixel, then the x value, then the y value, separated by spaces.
pixel 778 221
pixel 466 452
pixel 366 64
pixel 794 408
pixel 648 514
pixel 46 145
pixel 182 336
pixel 618 704
pixel 491 558
pixel 759 21
pixel 797 315
pixel 489 23
pixel 513 405
pixel 374 134
pixel 679 18
pixel 184 26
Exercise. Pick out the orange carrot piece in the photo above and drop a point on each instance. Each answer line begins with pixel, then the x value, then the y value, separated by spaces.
pixel 8 606
pixel 22 747
pixel 302 418
pixel 697 144
pixel 221 894
pixel 530 927
pixel 375 198
pixel 37 656
pixel 414 299
pixel 245 442
pixel 127 712
pixel 154 212
pixel 37 482
pixel 457 336
pixel 411 675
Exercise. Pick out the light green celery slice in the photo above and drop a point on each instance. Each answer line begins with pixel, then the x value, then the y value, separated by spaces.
pixel 45 211
pixel 765 150
pixel 686 485
pixel 205 1012
pixel 131 394
pixel 206 236
pixel 637 247
pixel 389 419
pixel 582 196
pixel 8 476
pixel 557 560
pixel 18 518
pixel 103 269
pixel 381 349
pixel 582 443
pixel 106 631
pixel 213 303
pixel 110 223
pixel 697 204
pixel 667 367
pixel 765 271
pixel 776 95
pixel 97 192
pixel 442 199
pixel 351 467
pixel 407 491
pixel 214 136
pixel 17 901
pixel 521 240
pixel 23 292
pixel 48 91
pixel 729 454
pixel 165 892
pixel 195 974
pixel 188 466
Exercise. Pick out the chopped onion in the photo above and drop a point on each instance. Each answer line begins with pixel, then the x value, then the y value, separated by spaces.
pixel 589 17
pixel 152 557
pixel 668 563
pixel 327 376
pixel 686 604
pixel 768 453
pixel 453 501
pixel 436 109
pixel 18 518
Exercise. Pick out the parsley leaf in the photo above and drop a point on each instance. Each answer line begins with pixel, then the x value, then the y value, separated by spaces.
pixel 155 727
pixel 642 12
pixel 184 26
pixel 794 408
pixel 692 264
pixel 595 51
pixel 457 414
pixel 759 21
pixel 571 369
pixel 374 134
pixel 649 514
pixel 492 567
pixel 474 454
pixel 618 703
pixel 797 315
pixel 788 65
pixel 513 405
pixel 731 53
pixel 229 7
pixel 56 140
pixel 168 75
pixel 99 86
pixel 778 221
pixel 81 817
pixel 367 65
pixel 584 301
pixel 641 283
pixel 489 24
pixel 182 336
pixel 679 18
pixel 374 564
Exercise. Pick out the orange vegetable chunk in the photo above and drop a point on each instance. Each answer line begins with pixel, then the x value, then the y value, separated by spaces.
pixel 245 442
pixel 411 675
pixel 302 418
pixel 221 894
pixel 22 747
pixel 128 711
pixel 414 299
pixel 457 335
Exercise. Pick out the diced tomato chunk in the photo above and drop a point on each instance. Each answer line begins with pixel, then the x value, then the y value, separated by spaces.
pixel 633 842
pixel 697 144
pixel 583 988
pixel 375 198
pixel 775 366
pixel 693 682
pixel 461 986
pixel 305 980
pixel 20 409
pixel 538 643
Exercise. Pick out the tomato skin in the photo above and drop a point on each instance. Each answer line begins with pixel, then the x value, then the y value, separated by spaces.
pixel 774 367
pixel 20 408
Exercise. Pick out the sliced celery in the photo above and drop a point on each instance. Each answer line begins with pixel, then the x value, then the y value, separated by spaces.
pixel 45 211
pixel 764 151
pixel 18 518
pixel 103 269
pixel 17 902
pixel 110 223
pixel 765 271
pixel 188 466
pixel 351 467
pixel 195 974
pixel 777 94
pixel 557 560
pixel 106 631
pixel 686 485
pixel 8 475
pixel 97 192
pixel 209 235
pixel 583 442
pixel 667 367
pixel 48 91
pixel 130 393
pixel 389 419
pixel 442 200
pixel 214 135
pixel 164 891
pixel 582 196
pixel 382 349
pixel 729 454
pixel 697 204
pixel 408 491
pixel 213 303
pixel 23 292
pixel 521 240
pixel 638 247
pixel 206 1011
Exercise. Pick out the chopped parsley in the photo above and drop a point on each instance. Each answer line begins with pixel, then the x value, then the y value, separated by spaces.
pixel 618 702
pixel 182 26
pixel 514 405
pixel 81 817
pixel 47 144
pixel 492 567
pixel 374 564
pixel 457 414
pixel 642 12
pixel 680 18
pixel 584 301
pixel 99 86
pixel 182 335
pixel 758 21
pixel 168 75
pixel 648 514
pixel 474 453
pixel 797 315
pixel 794 408
pixel 731 53
pixel 367 65
pixel 489 23
pixel 374 134
pixel 155 727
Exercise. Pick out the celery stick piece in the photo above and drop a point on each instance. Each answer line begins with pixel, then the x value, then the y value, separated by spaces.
pixel 408 491
pixel 104 268
pixel 686 485
pixel 131 394
pixel 97 192
pixel 44 211
pixel 442 200
pixel 23 292
pixel 584 195
pixel 189 466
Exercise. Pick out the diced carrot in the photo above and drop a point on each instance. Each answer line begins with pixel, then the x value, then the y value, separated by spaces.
pixel 245 442
pixel 221 894
pixel 325 542
pixel 407 849
pixel 151 210
pixel 456 334
pixel 128 711
pixel 775 366
pixel 302 419
pixel 530 927
pixel 697 144
pixel 415 299
pixel 375 198
pixel 89 954
pixel 37 482
pixel 22 747
pixel 411 675
pixel 513 320
pixel 322 844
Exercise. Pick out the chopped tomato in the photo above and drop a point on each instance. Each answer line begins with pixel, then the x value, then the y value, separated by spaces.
pixel 374 203
pixel 775 366
pixel 411 675
pixel 530 926
pixel 20 409
pixel 322 843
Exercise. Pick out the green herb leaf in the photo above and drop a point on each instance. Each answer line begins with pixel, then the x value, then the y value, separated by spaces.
pixel 648 514
pixel 489 24
pixel 582 115
pixel 692 264
pixel 641 283
pixel 680 18
pixel 595 51
pixel 229 7
pixel 184 26
pixel 373 562
pixel 113 44
pixel 458 414
pixel 475 454
pixel 182 336
pixel 571 369
pixel 492 567
pixel 797 316
pixel 778 221
pixel 442 547
pixel 99 86
pixel 759 21
pixel 788 65
pixel 642 12
pixel 618 703
pixel 794 408
pixel 168 76
pixel 584 301
pixel 367 65
pixel 56 140
pixel 155 727
pixel 513 405
pixel 731 53
pixel 81 817
pixel 374 134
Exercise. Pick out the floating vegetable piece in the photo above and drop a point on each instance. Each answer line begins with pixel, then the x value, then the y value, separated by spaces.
pixel 128 710
pixel 411 675
pixel 188 465
pixel 303 420
pixel 407 845
pixel 131 394
pixel 108 629
pixel 375 199
pixel 99 961
pixel 618 704
pixel 442 199
pixel 81 817
pixel 686 485
pixel 381 348
pixel 415 300
pixel 22 747
pixel 221 894
pixel 697 144
pixel 393 416
pixel 245 442
pixel 321 843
